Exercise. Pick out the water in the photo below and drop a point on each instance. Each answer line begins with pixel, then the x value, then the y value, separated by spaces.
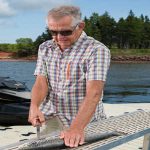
pixel 20 71
pixel 126 83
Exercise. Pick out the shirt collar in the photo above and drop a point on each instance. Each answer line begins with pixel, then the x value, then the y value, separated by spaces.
pixel 80 40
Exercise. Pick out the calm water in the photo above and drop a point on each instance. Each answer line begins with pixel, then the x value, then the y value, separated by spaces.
pixel 125 82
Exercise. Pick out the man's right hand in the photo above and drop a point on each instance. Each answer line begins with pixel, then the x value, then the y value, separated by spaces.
pixel 36 117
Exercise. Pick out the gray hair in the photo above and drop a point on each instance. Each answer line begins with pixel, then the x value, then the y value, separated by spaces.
pixel 62 11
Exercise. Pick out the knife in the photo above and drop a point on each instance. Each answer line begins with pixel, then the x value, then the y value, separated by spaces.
pixel 38 128
pixel 38 131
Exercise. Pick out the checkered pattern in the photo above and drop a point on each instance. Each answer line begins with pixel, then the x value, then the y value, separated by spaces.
pixel 67 74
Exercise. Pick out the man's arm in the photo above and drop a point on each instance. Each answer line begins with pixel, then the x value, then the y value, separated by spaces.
pixel 39 92
pixel 75 134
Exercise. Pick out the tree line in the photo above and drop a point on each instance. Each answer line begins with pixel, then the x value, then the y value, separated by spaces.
pixel 130 33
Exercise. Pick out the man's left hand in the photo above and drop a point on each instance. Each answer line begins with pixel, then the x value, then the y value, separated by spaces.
pixel 73 137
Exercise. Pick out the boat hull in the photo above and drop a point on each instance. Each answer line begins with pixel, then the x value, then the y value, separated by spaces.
pixel 14 114
pixel 16 96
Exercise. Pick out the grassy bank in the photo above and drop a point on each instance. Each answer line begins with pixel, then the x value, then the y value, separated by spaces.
pixel 114 52
pixel 117 55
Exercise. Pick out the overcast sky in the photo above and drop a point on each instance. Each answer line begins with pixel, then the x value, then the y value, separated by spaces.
pixel 26 18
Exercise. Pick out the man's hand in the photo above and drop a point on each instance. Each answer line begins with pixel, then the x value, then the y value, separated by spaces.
pixel 35 116
pixel 73 137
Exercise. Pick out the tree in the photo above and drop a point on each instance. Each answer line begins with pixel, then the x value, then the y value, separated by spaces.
pixel 121 34
pixel 92 27
pixel 146 33
pixel 107 27
pixel 24 41
pixel 129 31
pixel 25 47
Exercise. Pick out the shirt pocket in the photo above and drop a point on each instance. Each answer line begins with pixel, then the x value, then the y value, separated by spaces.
pixel 75 72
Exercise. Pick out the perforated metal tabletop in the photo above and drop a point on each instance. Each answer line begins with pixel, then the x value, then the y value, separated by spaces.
pixel 134 124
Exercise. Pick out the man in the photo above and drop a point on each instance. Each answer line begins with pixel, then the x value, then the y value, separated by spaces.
pixel 71 71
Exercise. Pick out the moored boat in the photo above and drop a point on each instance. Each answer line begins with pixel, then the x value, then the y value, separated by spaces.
pixel 11 90
pixel 14 102
pixel 14 113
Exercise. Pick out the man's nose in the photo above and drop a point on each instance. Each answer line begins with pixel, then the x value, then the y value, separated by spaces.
pixel 59 36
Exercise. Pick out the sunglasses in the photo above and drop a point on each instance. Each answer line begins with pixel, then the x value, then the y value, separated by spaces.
pixel 63 32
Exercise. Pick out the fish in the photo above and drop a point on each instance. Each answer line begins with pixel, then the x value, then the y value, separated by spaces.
pixel 57 143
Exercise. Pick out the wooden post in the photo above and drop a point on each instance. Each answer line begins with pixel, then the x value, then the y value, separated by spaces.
pixel 146 142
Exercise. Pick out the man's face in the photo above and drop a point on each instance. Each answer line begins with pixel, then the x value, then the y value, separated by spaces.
pixel 63 32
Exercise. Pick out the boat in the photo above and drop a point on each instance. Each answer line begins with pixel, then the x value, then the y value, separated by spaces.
pixel 15 91
pixel 14 113
pixel 14 102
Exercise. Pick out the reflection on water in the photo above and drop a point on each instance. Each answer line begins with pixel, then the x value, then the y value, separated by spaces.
pixel 125 82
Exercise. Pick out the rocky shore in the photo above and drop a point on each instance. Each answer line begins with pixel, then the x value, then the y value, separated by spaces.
pixel 145 58
pixel 4 56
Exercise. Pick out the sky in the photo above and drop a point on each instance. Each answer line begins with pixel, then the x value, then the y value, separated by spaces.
pixel 26 18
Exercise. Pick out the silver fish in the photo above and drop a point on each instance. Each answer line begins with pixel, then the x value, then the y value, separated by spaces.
pixel 57 143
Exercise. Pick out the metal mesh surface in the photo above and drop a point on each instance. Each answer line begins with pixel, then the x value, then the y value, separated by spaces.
pixel 129 123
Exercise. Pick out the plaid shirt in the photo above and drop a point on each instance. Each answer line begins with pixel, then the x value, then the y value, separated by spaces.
pixel 67 73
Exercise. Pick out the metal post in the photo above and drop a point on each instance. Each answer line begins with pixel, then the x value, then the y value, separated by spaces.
pixel 146 142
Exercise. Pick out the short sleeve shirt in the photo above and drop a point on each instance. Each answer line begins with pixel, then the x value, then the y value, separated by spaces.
pixel 67 73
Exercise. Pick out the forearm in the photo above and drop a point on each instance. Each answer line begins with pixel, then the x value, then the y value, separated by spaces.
pixel 39 92
pixel 85 112
pixel 38 95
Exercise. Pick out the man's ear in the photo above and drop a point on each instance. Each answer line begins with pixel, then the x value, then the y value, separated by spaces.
pixel 81 25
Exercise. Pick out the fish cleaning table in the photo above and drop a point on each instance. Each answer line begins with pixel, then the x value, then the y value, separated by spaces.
pixel 132 125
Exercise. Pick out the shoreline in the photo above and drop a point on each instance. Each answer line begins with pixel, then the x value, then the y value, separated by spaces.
pixel 8 57
pixel 17 59
pixel 35 59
